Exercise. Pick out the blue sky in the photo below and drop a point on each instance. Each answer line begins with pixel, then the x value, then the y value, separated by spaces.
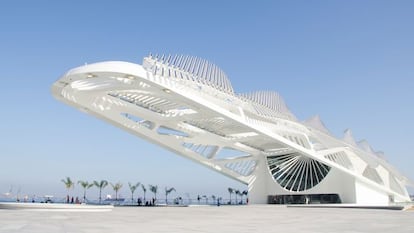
pixel 351 62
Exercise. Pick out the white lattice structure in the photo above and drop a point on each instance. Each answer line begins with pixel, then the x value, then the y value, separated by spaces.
pixel 188 106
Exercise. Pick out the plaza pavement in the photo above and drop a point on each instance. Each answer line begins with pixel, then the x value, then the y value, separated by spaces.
pixel 223 219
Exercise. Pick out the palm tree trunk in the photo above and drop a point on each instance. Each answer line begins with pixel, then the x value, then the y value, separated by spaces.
pixel 100 195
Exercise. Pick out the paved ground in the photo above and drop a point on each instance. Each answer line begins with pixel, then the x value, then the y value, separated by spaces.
pixel 223 219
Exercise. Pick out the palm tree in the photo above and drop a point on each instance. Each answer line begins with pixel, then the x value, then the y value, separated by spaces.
pixel 85 185
pixel 69 184
pixel 205 196
pixel 231 190
pixel 144 190
pixel 116 187
pixel 241 197
pixel 133 188
pixel 213 197
pixel 101 185
pixel 168 191
pixel 237 192
pixel 154 189
pixel 245 192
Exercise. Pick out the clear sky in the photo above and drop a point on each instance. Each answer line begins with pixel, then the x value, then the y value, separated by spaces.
pixel 351 62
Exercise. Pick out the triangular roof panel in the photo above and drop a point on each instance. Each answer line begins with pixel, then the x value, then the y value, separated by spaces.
pixel 348 138
pixel 316 123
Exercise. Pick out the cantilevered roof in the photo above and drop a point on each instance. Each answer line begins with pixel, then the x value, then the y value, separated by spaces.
pixel 188 105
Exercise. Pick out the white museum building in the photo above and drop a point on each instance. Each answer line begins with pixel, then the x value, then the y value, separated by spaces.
pixel 187 105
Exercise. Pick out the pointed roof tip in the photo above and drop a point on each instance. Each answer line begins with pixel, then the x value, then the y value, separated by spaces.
pixel 348 138
pixel 364 145
pixel 380 154
pixel 314 118
pixel 316 122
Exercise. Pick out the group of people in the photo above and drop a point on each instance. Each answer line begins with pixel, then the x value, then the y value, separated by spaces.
pixel 71 200
pixel 147 203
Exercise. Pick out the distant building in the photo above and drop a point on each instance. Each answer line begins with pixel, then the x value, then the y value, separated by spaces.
pixel 188 106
